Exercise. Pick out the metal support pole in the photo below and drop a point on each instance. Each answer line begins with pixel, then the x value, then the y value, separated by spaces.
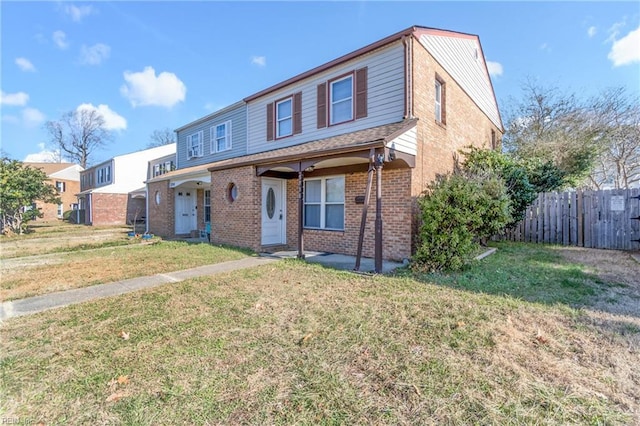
pixel 378 231
pixel 300 211
pixel 363 221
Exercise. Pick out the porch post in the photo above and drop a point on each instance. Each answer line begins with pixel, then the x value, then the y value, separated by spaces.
pixel 378 223
pixel 300 211
pixel 363 221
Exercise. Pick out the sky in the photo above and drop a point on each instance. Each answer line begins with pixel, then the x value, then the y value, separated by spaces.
pixel 151 65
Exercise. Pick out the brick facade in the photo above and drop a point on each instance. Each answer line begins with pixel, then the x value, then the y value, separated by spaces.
pixel 236 222
pixel 160 217
pixel 109 209
pixel 68 197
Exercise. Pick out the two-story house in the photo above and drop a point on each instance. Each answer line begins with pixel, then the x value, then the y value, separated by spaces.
pixel 110 191
pixel 302 157
pixel 66 178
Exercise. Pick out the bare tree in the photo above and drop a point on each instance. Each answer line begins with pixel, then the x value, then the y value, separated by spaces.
pixel 618 164
pixel 161 137
pixel 592 141
pixel 79 134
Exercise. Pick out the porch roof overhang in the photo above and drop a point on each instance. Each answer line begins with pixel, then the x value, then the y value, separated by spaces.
pixel 334 152
pixel 196 174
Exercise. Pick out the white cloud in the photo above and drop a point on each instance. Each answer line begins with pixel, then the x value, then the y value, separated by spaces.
pixel 94 55
pixel 545 47
pixel 495 68
pixel 77 13
pixel 112 120
pixel 60 39
pixel 260 61
pixel 14 99
pixel 144 88
pixel 32 117
pixel 43 156
pixel 626 50
pixel 25 65
pixel 592 31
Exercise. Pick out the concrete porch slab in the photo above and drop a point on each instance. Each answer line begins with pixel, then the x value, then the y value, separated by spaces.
pixel 338 261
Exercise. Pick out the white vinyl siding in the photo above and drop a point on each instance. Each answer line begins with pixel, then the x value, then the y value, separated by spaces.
pixel 385 100
pixel 462 58
pixel 406 142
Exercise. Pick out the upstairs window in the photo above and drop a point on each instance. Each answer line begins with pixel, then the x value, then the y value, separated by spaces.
pixel 194 145
pixel 103 175
pixel 284 117
pixel 221 137
pixel 440 98
pixel 60 186
pixel 342 99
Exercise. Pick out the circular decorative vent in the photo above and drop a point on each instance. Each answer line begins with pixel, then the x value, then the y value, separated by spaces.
pixel 271 203
pixel 232 192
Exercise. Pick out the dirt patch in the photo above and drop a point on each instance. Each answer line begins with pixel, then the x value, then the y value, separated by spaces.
pixel 619 270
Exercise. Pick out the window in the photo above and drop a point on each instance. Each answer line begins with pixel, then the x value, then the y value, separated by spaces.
pixel 284 117
pixel 207 206
pixel 324 203
pixel 221 137
pixel 440 97
pixel 342 99
pixel 60 210
pixel 194 145
pixel 60 186
pixel 162 168
pixel 104 175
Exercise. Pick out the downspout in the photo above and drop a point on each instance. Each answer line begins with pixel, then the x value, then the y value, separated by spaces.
pixel 146 208
pixel 408 76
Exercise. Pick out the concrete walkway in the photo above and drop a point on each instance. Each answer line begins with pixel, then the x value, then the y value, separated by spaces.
pixel 45 302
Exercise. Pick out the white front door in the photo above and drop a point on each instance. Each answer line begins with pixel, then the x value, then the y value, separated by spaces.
pixel 273 211
pixel 185 210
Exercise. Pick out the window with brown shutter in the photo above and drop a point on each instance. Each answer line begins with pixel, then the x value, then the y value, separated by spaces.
pixel 270 121
pixel 322 105
pixel 361 93
pixel 297 113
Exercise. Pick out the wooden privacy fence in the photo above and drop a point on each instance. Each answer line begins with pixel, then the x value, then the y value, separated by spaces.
pixel 608 219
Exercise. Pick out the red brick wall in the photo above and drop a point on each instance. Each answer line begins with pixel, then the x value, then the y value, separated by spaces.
pixel 396 217
pixel 465 125
pixel 236 223
pixel 109 209
pixel 160 216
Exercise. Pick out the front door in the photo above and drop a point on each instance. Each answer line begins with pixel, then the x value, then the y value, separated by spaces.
pixel 273 212
pixel 185 211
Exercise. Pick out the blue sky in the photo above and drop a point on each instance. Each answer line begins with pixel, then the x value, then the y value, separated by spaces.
pixel 150 65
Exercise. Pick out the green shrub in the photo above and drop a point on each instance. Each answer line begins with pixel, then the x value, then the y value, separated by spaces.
pixel 457 211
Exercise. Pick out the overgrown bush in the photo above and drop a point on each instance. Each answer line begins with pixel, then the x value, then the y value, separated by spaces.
pixel 457 211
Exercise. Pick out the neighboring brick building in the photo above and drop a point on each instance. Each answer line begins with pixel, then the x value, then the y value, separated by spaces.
pixel 113 192
pixel 66 178
pixel 289 167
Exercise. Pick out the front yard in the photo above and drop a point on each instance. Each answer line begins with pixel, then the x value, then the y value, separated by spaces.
pixel 517 339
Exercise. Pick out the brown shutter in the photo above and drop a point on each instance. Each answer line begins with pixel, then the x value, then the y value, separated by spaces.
pixel 270 121
pixel 297 113
pixel 322 105
pixel 361 93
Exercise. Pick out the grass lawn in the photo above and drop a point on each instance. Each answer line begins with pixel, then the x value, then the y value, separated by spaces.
pixel 512 341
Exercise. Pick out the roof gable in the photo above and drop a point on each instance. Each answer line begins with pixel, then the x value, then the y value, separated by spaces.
pixel 461 56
